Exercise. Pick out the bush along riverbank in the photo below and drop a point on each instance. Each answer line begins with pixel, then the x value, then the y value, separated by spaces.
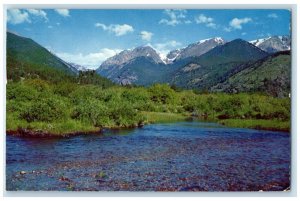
pixel 39 107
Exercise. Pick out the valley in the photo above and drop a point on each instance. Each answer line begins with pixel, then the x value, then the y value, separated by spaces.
pixel 46 100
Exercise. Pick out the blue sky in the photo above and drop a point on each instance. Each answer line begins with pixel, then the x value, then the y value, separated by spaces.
pixel 88 37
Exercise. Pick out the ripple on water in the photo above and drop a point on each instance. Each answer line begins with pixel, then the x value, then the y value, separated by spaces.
pixel 184 156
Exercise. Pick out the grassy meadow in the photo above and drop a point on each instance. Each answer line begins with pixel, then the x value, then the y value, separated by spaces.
pixel 79 106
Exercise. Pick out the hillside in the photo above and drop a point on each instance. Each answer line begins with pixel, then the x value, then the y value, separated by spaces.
pixel 26 59
pixel 216 65
pixel 271 75
pixel 26 50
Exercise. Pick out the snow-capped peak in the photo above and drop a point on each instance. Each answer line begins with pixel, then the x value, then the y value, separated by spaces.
pixel 219 40
pixel 195 49
pixel 273 44
pixel 259 41
pixel 204 40
pixel 216 39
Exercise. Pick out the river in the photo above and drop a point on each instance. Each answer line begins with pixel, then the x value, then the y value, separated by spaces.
pixel 182 156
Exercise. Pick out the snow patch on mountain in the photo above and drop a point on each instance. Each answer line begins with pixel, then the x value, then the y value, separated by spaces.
pixel 273 44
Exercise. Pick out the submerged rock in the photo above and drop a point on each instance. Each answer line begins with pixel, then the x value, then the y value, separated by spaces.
pixel 22 172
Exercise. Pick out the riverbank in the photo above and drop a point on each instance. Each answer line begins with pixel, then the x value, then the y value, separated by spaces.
pixel 259 124
pixel 72 127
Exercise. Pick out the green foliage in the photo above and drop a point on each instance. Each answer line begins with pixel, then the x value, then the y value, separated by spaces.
pixel 26 50
pixel 139 98
pixel 38 84
pixel 44 109
pixel 216 66
pixel 163 94
pixel 92 111
pixel 70 107
pixel 20 92
pixel 64 88
pixel 43 93
pixel 271 75
pixel 91 77
pixel 161 117
pixel 258 124
pixel 19 70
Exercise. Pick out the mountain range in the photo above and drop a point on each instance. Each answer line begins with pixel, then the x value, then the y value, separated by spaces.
pixel 203 65
pixel 216 65
pixel 195 49
pixel 273 44
pixel 207 65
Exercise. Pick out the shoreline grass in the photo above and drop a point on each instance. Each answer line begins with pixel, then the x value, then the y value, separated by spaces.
pixel 259 124
pixel 74 127
pixel 164 117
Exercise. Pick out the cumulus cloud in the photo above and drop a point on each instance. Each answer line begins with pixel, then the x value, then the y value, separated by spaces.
pixel 174 17
pixel 63 12
pixel 38 13
pixel 117 29
pixel 211 25
pixel 145 35
pixel 273 15
pixel 203 19
pixel 91 60
pixel 236 23
pixel 227 29
pixel 17 16
pixel 208 21
pixel 165 48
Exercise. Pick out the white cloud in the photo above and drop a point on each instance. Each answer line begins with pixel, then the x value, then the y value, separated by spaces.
pixel 38 13
pixel 273 15
pixel 203 19
pixel 50 27
pixel 236 23
pixel 117 29
pixel 103 26
pixel 146 35
pixel 17 16
pixel 227 29
pixel 175 17
pixel 208 21
pixel 211 25
pixel 63 12
pixel 244 33
pixel 165 48
pixel 91 60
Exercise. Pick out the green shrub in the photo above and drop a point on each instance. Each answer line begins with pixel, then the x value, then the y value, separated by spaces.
pixel 92 111
pixel 38 84
pixel 20 92
pixel 124 114
pixel 44 109
pixel 64 88
pixel 163 93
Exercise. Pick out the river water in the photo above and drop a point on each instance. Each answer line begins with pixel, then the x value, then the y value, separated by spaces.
pixel 182 156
